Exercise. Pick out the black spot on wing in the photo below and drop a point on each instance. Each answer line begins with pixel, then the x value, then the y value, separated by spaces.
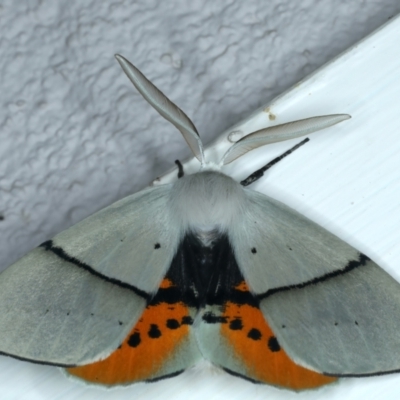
pixel 157 246
pixel 254 334
pixel 236 324
pixel 254 250
pixel 134 340
pixel 173 324
pixel 211 318
pixel 187 320
pixel 273 344
pixel 154 332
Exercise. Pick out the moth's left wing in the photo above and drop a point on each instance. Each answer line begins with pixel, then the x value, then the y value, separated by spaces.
pixel 161 344
pixel 331 308
pixel 73 300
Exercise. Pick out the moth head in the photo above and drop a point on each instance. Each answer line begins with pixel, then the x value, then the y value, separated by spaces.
pixel 182 122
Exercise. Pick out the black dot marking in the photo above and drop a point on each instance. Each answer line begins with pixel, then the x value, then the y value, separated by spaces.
pixel 254 334
pixel 356 322
pixel 47 311
pixel 211 318
pixel 336 323
pixel 154 332
pixel 254 250
pixel 236 324
pixel 273 344
pixel 91 314
pixel 283 326
pixel 157 246
pixel 173 324
pixel 290 248
pixel 68 313
pixel 187 320
pixel 134 340
pixel 1 217
pixel 120 322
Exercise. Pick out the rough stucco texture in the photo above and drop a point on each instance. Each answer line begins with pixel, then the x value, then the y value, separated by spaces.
pixel 74 135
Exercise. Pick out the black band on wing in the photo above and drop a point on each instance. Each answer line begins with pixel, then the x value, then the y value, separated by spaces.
pixel 362 260
pixel 2 353
pixel 159 378
pixel 58 251
pixel 175 294
pixel 246 378
pixel 393 371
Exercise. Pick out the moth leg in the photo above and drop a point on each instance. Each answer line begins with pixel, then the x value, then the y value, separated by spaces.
pixel 180 169
pixel 256 175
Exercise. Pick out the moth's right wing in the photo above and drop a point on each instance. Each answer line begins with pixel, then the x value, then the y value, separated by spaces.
pixel 332 309
pixel 234 335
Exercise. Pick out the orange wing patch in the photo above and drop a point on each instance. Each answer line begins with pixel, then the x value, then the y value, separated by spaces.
pixel 254 342
pixel 140 357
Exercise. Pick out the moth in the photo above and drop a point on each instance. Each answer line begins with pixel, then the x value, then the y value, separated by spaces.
pixel 202 268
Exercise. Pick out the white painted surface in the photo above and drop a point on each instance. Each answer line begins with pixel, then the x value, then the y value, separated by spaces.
pixel 75 136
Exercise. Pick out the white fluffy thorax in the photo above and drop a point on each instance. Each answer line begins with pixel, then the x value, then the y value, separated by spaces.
pixel 207 201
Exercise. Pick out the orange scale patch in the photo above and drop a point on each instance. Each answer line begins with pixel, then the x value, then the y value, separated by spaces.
pixel 144 351
pixel 255 343
pixel 242 287
pixel 166 283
